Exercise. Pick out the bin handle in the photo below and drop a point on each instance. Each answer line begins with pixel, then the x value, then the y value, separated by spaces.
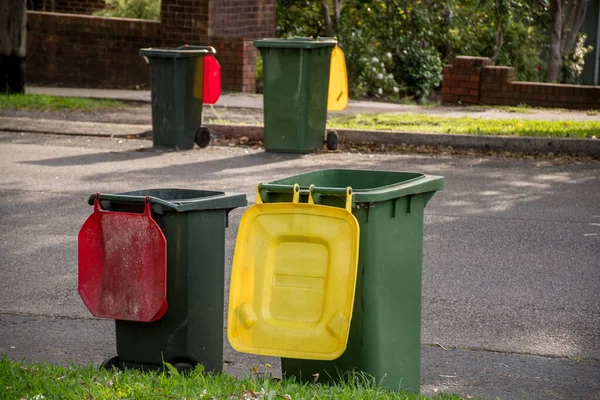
pixel 280 189
pixel 134 199
pixel 98 206
pixel 313 189
pixel 277 188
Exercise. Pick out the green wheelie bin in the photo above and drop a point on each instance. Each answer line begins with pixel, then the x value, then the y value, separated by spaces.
pixel 296 81
pixel 385 331
pixel 176 81
pixel 191 331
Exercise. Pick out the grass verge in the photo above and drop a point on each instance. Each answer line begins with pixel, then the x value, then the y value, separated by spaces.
pixel 45 381
pixel 411 122
pixel 42 102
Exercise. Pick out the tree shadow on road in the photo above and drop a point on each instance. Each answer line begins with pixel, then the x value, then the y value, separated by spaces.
pixel 96 158
pixel 236 167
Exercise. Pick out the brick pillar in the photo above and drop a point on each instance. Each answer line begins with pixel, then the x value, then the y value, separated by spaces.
pixel 238 63
pixel 495 85
pixel 184 22
pixel 233 24
pixel 461 80
pixel 229 26
pixel 250 19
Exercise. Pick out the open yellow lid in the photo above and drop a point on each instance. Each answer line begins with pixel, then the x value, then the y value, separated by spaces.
pixel 337 99
pixel 293 279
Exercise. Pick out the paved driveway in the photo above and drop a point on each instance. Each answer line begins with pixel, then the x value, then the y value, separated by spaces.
pixel 511 304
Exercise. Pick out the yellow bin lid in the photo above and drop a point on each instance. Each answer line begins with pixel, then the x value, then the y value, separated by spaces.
pixel 293 279
pixel 337 99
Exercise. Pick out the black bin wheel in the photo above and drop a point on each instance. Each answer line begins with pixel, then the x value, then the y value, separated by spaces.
pixel 202 136
pixel 184 368
pixel 111 362
pixel 332 140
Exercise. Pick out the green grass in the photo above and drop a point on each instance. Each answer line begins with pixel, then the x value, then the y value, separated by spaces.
pixel 410 122
pixel 520 109
pixel 54 103
pixel 32 381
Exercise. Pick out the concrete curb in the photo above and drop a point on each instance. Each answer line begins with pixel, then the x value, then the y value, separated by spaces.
pixel 514 144
pixel 525 145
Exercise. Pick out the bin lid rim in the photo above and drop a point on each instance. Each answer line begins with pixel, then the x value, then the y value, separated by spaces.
pixel 419 183
pixel 302 43
pixel 175 52
pixel 219 200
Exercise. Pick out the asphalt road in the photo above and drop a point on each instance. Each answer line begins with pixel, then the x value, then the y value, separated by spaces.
pixel 511 302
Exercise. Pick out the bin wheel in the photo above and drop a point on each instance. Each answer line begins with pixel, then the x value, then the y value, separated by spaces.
pixel 202 136
pixel 111 362
pixel 332 140
pixel 183 368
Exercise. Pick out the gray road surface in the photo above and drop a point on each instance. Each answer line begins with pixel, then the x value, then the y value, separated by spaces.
pixel 511 256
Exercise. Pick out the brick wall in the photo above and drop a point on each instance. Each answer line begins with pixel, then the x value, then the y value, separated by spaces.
pixel 250 19
pixel 86 51
pixel 227 25
pixel 184 22
pixel 67 6
pixel 65 49
pixel 473 80
pixel 236 75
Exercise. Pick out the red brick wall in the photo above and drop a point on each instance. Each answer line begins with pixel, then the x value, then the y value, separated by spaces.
pixel 461 80
pixel 86 51
pixel 227 25
pixel 250 19
pixel 238 63
pixel 472 80
pixel 184 22
pixel 67 6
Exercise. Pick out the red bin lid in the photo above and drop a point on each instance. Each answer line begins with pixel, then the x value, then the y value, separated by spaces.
pixel 212 80
pixel 123 265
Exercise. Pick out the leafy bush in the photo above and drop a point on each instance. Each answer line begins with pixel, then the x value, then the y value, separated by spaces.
pixel 299 18
pixel 573 63
pixel 422 35
pixel 138 9
pixel 369 67
pixel 420 68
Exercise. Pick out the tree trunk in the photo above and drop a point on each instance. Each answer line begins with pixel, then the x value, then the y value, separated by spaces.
pixel 337 13
pixel 500 31
pixel 13 28
pixel 566 17
pixel 327 17
pixel 572 25
pixel 332 20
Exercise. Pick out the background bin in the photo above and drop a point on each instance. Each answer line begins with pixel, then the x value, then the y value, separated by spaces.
pixel 296 82
pixel 191 331
pixel 385 331
pixel 176 81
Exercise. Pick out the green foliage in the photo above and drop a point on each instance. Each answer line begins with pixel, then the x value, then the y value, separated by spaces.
pixel 369 67
pixel 299 18
pixel 525 34
pixel 573 63
pixel 138 9
pixel 422 35
pixel 420 68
